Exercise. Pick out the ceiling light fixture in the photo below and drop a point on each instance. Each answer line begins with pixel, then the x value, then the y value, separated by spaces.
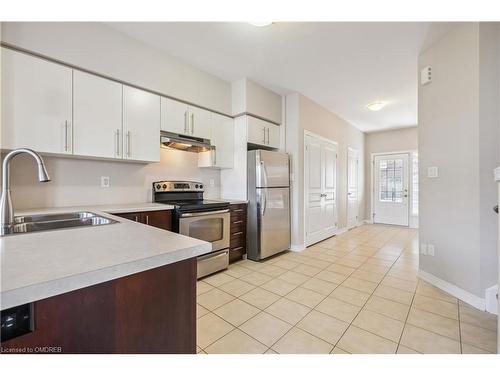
pixel 260 24
pixel 376 106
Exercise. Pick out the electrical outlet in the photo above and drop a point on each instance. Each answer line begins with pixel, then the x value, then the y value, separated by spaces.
pixel 430 249
pixel 105 181
pixel 423 249
pixel 212 182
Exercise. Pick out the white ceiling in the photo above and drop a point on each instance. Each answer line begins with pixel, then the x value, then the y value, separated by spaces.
pixel 342 66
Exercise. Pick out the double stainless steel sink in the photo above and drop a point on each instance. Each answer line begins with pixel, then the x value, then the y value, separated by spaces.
pixel 37 223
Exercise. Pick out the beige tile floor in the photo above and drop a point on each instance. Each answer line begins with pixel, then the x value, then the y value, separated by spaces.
pixel 354 293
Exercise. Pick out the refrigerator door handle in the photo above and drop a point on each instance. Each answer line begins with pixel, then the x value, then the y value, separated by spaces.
pixel 263 171
pixel 265 202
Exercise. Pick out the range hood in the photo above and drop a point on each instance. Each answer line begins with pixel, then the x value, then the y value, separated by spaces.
pixel 184 142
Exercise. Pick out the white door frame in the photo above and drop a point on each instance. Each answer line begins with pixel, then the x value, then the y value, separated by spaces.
pixel 309 242
pixel 410 182
pixel 350 148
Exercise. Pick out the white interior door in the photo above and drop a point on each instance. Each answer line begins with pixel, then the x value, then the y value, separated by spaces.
pixel 321 189
pixel 352 187
pixel 390 193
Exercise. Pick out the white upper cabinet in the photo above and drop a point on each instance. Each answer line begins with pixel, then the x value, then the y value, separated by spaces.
pixel 263 133
pixel 174 116
pixel 141 125
pixel 180 118
pixel 200 122
pixel 36 104
pixel 222 138
pixel 97 116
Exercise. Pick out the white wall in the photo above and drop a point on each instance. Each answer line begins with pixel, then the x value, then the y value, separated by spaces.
pixel 458 132
pixel 405 139
pixel 99 48
pixel 304 114
pixel 77 181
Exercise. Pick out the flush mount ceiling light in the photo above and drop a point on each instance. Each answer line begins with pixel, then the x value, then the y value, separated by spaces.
pixel 260 24
pixel 376 106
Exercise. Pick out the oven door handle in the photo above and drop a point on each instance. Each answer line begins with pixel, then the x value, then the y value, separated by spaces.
pixel 194 214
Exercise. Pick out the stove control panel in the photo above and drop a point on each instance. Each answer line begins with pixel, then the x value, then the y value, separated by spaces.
pixel 173 186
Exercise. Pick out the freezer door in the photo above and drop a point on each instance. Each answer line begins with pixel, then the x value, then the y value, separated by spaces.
pixel 271 169
pixel 274 215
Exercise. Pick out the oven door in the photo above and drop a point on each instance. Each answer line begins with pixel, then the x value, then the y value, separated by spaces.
pixel 211 226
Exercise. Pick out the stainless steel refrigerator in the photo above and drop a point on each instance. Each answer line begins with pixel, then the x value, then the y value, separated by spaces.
pixel 268 182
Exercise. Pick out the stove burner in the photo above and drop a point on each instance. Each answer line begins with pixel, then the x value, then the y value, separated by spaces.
pixel 187 196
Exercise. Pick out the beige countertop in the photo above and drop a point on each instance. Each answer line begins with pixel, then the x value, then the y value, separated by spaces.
pixel 43 264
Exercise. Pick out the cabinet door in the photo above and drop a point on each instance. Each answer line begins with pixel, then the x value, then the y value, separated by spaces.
pixel 223 140
pixel 273 135
pixel 158 219
pixel 200 122
pixel 141 125
pixel 174 116
pixel 257 133
pixel 97 116
pixel 222 137
pixel 36 104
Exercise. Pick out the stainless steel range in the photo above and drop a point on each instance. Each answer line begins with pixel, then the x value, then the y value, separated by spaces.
pixel 198 218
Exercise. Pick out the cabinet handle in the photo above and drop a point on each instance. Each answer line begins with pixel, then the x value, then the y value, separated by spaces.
pixel 238 222
pixel 237 233
pixel 264 129
pixel 192 123
pixel 136 218
pixel 117 142
pixel 239 210
pixel 267 135
pixel 66 135
pixel 214 157
pixel 147 219
pixel 186 121
pixel 128 143
pixel 237 248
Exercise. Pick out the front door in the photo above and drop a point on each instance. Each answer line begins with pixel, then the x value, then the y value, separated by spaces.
pixel 390 193
pixel 352 187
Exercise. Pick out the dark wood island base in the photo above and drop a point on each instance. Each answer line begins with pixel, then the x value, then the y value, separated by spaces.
pixel 148 312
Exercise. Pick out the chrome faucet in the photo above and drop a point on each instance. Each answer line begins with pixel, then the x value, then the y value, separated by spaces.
pixel 6 211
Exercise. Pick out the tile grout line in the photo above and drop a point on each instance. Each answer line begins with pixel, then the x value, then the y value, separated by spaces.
pixel 459 328
pixel 350 324
pixel 292 326
pixel 364 243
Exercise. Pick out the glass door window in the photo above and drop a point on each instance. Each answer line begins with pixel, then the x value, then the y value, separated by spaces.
pixel 391 180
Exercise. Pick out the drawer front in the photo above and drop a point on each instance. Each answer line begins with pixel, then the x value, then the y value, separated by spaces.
pixel 238 226
pixel 236 253
pixel 237 239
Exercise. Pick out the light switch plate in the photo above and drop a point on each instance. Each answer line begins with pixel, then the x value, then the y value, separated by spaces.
pixel 430 249
pixel 105 181
pixel 432 172
pixel 423 249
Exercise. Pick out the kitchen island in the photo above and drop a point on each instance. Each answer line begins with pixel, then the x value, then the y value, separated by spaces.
pixel 117 288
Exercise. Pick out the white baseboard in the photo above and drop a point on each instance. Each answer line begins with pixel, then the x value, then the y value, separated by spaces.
pixel 455 291
pixel 299 247
pixel 491 299
pixel 341 230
